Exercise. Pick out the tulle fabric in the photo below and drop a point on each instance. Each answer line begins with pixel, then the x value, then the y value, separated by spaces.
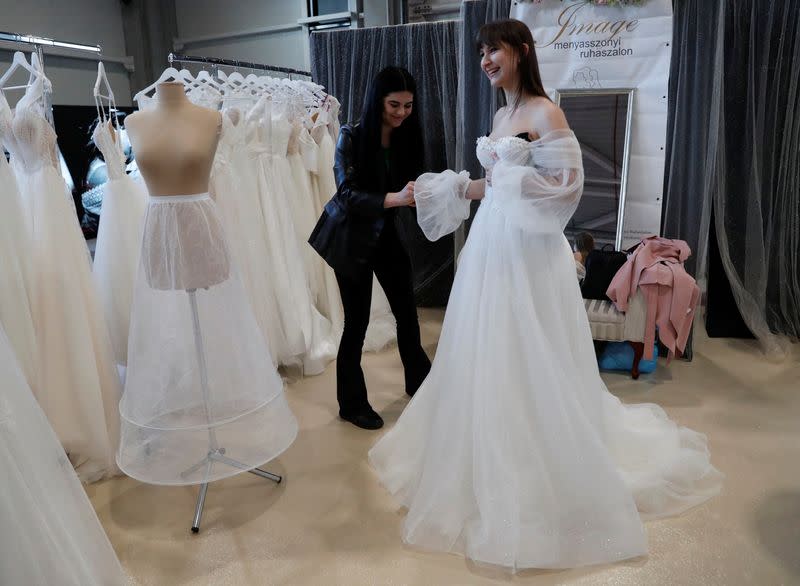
pixel 15 311
pixel 442 205
pixel 320 348
pixel 235 190
pixel 513 452
pixel 116 257
pixel 171 414
pixel 49 531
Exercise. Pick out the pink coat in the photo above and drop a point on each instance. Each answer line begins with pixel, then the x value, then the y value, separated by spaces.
pixel 656 267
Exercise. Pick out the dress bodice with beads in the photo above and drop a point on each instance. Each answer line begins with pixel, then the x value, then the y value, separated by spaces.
pixel 106 138
pixel 27 134
pixel 491 150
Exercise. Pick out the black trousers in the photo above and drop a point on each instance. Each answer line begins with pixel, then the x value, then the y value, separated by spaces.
pixel 392 267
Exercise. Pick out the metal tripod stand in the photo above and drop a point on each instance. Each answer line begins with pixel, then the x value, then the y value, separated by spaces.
pixel 215 452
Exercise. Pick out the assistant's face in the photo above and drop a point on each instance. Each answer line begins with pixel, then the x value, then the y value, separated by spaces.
pixel 397 106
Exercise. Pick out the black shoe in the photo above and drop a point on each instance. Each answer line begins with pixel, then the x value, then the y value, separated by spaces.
pixel 364 420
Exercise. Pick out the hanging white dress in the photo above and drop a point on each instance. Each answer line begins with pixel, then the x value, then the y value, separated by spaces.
pixel 15 311
pixel 320 345
pixel 78 385
pixel 303 209
pixel 235 190
pixel 48 528
pixel 513 452
pixel 119 237
pixel 199 375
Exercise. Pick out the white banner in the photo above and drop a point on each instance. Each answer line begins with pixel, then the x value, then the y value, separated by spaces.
pixel 580 44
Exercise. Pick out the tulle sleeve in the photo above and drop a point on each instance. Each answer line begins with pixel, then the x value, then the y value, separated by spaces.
pixel 441 201
pixel 538 185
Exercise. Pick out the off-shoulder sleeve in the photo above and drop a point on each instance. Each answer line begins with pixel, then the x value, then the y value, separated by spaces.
pixel 441 201
pixel 539 186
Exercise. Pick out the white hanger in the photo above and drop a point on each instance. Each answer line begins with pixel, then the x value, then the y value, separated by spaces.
pixel 20 61
pixel 102 79
pixel 205 78
pixel 169 74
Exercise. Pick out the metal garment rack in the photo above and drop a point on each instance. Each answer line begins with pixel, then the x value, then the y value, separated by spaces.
pixel 26 40
pixel 215 61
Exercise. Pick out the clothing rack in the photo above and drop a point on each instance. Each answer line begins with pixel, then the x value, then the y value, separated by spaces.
pixel 175 58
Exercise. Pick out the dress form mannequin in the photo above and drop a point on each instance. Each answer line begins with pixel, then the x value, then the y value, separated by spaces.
pixel 174 142
pixel 197 407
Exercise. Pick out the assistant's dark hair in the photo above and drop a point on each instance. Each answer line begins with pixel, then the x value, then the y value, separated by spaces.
pixel 515 34
pixel 406 143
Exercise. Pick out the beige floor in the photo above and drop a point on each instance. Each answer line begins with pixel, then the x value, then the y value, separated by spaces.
pixel 331 523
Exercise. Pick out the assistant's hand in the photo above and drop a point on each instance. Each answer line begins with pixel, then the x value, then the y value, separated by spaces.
pixel 403 198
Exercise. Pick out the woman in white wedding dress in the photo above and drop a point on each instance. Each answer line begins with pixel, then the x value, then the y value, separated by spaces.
pixel 78 385
pixel 116 256
pixel 49 531
pixel 513 452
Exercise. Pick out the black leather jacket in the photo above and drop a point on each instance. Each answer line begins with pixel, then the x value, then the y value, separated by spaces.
pixel 347 233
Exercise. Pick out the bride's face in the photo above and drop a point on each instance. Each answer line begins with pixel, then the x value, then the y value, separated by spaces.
pixel 499 63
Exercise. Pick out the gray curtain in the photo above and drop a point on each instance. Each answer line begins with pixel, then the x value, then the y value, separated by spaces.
pixel 477 102
pixel 733 155
pixel 149 27
pixel 345 62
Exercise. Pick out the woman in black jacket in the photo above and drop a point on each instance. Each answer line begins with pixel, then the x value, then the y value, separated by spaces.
pixel 377 161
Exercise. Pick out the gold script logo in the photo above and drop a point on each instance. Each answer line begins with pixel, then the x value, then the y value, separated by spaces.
pixel 570 26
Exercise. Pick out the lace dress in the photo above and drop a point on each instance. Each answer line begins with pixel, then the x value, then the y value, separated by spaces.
pixel 78 385
pixel 513 452
pixel 119 237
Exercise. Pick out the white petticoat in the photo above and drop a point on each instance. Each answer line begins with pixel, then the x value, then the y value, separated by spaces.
pixel 200 373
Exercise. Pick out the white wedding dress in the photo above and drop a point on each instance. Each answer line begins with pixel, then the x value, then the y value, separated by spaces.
pixel 234 187
pixel 15 310
pixel 78 385
pixel 119 237
pixel 513 452
pixel 49 531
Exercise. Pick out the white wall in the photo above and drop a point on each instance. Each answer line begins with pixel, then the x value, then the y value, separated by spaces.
pixel 203 18
pixel 81 21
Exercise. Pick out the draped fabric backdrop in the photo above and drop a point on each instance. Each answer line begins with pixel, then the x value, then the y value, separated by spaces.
pixel 733 154
pixel 477 102
pixel 345 62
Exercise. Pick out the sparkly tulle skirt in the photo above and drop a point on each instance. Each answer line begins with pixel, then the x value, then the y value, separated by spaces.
pixel 513 452
pixel 200 374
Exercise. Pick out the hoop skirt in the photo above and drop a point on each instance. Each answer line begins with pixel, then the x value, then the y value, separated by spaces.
pixel 199 370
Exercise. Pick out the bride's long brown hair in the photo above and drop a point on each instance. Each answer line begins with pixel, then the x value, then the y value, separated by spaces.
pixel 515 35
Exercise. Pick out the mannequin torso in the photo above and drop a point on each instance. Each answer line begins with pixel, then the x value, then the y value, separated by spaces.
pixel 174 142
